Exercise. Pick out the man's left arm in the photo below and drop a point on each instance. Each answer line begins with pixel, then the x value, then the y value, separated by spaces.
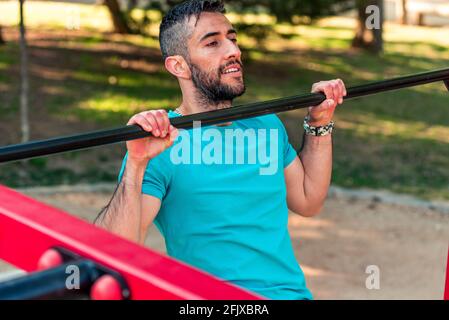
pixel 308 177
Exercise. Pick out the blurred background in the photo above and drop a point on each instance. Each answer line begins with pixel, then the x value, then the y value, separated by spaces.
pixel 92 65
pixel 74 66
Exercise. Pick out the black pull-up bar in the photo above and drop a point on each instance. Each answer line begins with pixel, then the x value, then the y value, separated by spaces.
pixel 98 138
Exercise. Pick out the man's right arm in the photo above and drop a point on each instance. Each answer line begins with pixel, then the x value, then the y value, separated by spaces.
pixel 129 212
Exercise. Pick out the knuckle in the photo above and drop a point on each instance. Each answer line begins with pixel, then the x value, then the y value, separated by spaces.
pixel 149 118
pixel 155 116
pixel 146 115
pixel 160 115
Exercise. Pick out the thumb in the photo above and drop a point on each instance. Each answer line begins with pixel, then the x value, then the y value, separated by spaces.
pixel 329 103
pixel 325 105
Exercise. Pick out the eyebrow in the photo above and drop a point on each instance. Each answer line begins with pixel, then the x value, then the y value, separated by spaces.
pixel 216 33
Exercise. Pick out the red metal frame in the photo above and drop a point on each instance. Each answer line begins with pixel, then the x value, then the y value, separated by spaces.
pixel 446 290
pixel 28 228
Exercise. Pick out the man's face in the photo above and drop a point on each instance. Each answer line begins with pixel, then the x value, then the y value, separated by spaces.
pixel 215 58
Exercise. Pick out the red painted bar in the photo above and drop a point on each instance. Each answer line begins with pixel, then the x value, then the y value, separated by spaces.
pixel 28 228
pixel 446 290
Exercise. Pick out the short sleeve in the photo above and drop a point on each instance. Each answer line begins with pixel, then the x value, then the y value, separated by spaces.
pixel 156 178
pixel 289 153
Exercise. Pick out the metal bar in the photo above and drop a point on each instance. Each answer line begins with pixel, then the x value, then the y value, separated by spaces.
pixel 28 228
pixel 50 283
pixel 103 137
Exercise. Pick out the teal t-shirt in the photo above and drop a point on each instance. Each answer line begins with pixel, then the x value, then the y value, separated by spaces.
pixel 223 204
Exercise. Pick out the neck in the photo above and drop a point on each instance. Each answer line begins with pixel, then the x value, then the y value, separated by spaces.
pixel 194 102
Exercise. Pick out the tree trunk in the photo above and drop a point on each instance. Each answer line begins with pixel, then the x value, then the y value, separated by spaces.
pixel 404 16
pixel 24 122
pixel 2 41
pixel 378 33
pixel 366 38
pixel 119 19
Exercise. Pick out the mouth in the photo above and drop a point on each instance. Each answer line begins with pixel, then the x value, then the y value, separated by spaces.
pixel 233 69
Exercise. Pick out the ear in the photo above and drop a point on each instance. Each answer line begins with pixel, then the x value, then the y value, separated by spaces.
pixel 178 67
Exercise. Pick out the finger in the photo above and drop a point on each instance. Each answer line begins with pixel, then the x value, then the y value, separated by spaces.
pixel 132 120
pixel 325 109
pixel 325 106
pixel 166 125
pixel 140 120
pixel 173 133
pixel 162 122
pixel 153 122
pixel 336 91
pixel 340 91
pixel 328 104
pixel 325 88
pixel 144 123
pixel 345 92
pixel 168 142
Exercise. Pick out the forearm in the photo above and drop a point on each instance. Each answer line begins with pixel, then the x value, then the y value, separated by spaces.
pixel 316 159
pixel 122 215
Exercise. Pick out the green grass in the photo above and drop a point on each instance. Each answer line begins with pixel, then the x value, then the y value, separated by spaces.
pixel 397 141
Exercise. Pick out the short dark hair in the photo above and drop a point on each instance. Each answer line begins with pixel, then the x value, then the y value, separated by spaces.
pixel 174 31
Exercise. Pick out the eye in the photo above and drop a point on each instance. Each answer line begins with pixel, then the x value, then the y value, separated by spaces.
pixel 212 44
pixel 234 40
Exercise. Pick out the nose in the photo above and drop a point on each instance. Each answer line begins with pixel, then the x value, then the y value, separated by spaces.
pixel 233 51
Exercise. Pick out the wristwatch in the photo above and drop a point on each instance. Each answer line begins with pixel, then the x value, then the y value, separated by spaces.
pixel 317 131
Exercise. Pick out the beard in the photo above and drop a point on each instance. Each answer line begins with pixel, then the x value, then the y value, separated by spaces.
pixel 210 86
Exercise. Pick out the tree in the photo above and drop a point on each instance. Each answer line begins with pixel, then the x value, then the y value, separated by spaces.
pixel 122 20
pixel 24 122
pixel 404 15
pixel 119 18
pixel 284 10
pixel 369 25
pixel 2 41
pixel 288 10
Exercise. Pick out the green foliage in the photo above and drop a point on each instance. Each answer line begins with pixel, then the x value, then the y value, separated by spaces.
pixel 397 141
pixel 291 10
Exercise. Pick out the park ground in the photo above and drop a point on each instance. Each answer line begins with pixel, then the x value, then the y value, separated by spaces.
pixel 408 244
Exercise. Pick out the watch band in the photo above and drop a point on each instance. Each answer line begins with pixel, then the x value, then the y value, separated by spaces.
pixel 317 131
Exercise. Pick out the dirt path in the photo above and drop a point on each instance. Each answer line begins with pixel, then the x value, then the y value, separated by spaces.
pixel 409 245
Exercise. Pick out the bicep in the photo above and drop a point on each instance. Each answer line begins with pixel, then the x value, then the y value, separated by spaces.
pixel 150 207
pixel 294 178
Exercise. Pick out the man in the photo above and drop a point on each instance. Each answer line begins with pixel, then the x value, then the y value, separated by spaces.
pixel 228 217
